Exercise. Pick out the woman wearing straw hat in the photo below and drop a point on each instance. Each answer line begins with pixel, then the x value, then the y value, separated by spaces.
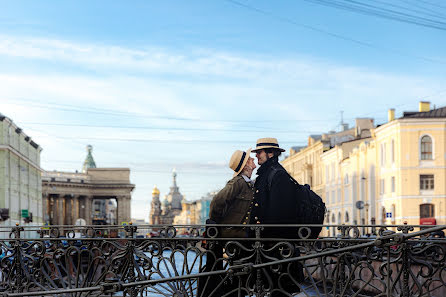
pixel 231 205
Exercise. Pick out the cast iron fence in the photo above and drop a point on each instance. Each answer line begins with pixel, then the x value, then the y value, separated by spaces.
pixel 180 261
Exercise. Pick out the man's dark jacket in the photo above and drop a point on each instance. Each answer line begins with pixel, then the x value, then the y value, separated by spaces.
pixel 275 205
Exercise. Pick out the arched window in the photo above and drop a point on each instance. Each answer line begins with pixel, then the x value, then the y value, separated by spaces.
pixel 339 218
pixel 347 218
pixel 333 218
pixel 426 148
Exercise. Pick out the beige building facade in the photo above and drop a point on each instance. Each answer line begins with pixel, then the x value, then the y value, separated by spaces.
pixel 391 174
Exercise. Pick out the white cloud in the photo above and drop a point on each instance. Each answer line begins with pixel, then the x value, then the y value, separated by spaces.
pixel 200 84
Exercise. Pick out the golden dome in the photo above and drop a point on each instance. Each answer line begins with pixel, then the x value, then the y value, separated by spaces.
pixel 155 191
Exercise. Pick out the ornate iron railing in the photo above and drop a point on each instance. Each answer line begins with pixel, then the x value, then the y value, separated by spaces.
pixel 181 261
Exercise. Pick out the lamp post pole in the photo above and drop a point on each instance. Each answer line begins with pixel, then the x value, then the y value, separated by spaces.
pixel 366 206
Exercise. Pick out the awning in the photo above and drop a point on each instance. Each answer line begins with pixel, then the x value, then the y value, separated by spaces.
pixel 428 221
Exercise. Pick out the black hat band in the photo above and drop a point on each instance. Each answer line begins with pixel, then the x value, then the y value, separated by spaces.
pixel 267 144
pixel 241 162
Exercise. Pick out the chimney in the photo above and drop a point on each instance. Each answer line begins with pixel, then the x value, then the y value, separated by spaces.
pixel 424 106
pixel 391 114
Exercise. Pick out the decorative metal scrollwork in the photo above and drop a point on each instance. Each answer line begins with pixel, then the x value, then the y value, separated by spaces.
pixel 115 260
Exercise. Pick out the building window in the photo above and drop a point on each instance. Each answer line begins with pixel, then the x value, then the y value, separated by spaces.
pixel 346 179
pixel 346 197
pixel 333 218
pixel 426 148
pixel 426 182
pixel 339 218
pixel 327 197
pixel 333 197
pixel 347 218
pixel 383 154
pixel 392 152
pixel 339 195
pixel 382 185
pixel 327 172
pixel 392 183
pixel 427 210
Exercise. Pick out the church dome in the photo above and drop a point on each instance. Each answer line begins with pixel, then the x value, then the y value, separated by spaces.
pixel 89 161
pixel 155 191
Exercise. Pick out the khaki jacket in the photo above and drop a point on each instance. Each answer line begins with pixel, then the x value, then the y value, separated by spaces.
pixel 232 205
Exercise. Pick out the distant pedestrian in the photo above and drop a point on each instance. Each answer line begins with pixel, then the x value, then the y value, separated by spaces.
pixel 275 203
pixel 231 205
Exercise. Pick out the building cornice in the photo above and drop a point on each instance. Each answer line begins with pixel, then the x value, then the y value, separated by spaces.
pixel 86 185
pixel 21 156
pixel 410 121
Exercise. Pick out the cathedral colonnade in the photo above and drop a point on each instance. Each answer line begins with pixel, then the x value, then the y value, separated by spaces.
pixel 60 209
pixel 95 196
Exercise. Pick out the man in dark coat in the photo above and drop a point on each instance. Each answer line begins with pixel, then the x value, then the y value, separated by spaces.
pixel 275 203
pixel 274 198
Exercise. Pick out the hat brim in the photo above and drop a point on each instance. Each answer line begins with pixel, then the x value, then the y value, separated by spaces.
pixel 267 146
pixel 244 163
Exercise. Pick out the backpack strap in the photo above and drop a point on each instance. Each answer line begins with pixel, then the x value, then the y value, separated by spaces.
pixel 273 172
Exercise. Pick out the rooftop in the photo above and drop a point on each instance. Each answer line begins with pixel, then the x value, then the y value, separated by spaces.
pixel 434 113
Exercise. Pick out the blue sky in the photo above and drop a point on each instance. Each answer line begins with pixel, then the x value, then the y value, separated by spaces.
pixel 157 85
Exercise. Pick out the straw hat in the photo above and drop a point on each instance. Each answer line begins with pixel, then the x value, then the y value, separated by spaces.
pixel 263 143
pixel 238 161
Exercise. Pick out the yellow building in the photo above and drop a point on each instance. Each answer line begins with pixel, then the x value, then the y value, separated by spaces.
pixel 411 162
pixel 189 214
pixel 391 174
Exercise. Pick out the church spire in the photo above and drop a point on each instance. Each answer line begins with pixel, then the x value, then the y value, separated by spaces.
pixel 174 174
pixel 89 161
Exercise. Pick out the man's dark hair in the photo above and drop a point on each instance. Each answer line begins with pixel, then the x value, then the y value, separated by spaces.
pixel 276 152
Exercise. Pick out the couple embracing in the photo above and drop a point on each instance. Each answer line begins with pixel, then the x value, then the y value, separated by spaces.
pixel 270 199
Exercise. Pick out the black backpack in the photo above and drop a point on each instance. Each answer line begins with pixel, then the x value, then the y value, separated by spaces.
pixel 310 207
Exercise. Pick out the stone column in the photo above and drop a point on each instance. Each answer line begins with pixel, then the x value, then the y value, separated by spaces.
pixel 61 207
pixel 68 210
pixel 88 209
pixel 55 210
pixel 75 210
pixel 124 211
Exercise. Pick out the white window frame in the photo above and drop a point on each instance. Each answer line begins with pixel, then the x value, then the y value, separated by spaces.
pixel 433 183
pixel 382 186
pixel 433 148
pixel 392 153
